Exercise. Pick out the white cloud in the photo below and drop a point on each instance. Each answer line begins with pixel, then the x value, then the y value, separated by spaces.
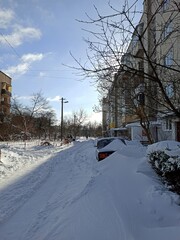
pixel 55 99
pixel 6 16
pixel 26 61
pixel 42 74
pixel 23 97
pixel 21 68
pixel 30 57
pixel 19 35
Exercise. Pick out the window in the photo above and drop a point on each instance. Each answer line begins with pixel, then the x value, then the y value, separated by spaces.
pixel 168 59
pixel 141 98
pixel 141 66
pixel 4 85
pixel 168 124
pixel 140 29
pixel 137 34
pixel 135 40
pixel 170 90
pixel 167 29
pixel 165 5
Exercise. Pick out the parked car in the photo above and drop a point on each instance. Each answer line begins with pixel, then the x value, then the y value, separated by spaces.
pixel 107 146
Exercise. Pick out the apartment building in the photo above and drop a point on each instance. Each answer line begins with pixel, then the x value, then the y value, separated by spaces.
pixel 148 87
pixel 5 95
pixel 168 55
pixel 161 41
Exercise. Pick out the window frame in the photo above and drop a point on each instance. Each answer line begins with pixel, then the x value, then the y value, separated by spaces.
pixel 168 124
pixel 168 28
pixel 165 5
pixel 169 90
pixel 169 58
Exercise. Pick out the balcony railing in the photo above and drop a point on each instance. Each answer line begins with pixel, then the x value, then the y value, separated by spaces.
pixel 5 92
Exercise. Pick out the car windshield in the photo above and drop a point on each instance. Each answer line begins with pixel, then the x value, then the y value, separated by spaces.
pixel 103 142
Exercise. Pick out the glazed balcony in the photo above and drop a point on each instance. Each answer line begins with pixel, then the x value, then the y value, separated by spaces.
pixel 6 92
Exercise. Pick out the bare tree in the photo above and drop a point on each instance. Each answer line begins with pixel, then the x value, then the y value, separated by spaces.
pixel 45 124
pixel 74 123
pixel 79 118
pixel 25 117
pixel 92 129
pixel 137 47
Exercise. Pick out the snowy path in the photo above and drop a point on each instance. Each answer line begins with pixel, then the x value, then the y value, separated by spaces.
pixel 42 195
pixel 71 196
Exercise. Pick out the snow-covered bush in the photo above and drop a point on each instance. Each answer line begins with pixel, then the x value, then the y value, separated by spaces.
pixel 163 162
pixel 166 162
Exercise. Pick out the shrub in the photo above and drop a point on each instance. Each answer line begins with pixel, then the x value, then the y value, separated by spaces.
pixel 167 166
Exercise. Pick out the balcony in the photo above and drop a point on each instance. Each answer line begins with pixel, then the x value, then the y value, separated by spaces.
pixel 128 60
pixel 137 41
pixel 138 49
pixel 6 104
pixel 5 92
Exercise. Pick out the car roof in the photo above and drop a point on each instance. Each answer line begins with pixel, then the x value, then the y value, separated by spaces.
pixel 103 138
pixel 107 140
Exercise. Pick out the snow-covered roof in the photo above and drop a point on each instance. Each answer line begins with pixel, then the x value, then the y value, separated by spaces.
pixel 118 129
pixel 137 124
pixel 134 124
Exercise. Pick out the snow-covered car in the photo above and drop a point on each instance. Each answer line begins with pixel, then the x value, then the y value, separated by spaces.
pixel 107 146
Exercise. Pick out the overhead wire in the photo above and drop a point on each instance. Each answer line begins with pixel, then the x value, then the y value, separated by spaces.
pixel 10 45
pixel 36 70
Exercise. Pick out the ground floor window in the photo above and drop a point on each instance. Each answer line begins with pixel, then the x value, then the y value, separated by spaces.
pixel 168 124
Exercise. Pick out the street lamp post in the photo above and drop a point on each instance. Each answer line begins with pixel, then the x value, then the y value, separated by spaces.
pixel 63 100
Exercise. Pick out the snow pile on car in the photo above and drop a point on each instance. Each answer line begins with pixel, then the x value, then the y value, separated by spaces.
pixel 114 145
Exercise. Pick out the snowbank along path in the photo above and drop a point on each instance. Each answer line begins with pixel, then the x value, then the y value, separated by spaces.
pixel 68 195
pixel 34 203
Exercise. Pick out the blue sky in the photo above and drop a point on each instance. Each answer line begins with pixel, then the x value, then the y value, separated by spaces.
pixel 36 37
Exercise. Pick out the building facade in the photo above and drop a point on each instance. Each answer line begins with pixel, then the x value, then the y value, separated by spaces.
pixel 147 86
pixel 5 95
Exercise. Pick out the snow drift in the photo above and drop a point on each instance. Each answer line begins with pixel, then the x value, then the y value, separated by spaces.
pixel 67 194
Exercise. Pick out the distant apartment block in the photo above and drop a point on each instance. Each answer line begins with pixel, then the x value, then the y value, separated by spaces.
pixel 5 95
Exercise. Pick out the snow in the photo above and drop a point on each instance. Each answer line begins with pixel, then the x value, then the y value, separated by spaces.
pixel 113 146
pixel 63 193
pixel 171 148
pixel 164 145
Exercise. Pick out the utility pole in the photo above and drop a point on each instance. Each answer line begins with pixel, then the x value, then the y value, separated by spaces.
pixel 74 130
pixel 63 100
